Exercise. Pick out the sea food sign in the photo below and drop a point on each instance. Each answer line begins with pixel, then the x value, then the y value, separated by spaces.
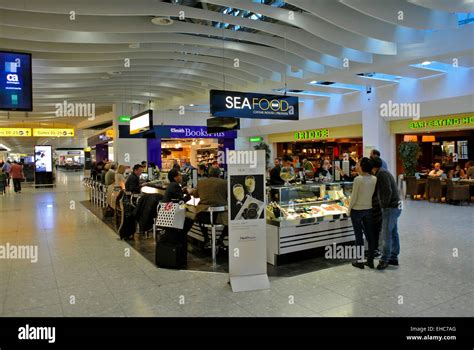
pixel 250 105
pixel 311 134
pixel 442 123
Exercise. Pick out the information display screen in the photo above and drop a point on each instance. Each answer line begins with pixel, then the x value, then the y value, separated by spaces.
pixel 15 81
pixel 141 122
pixel 43 159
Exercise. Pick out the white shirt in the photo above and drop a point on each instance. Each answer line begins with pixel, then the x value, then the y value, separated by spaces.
pixel 362 192
pixel 435 172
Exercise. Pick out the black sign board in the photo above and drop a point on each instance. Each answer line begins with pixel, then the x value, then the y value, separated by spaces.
pixel 249 105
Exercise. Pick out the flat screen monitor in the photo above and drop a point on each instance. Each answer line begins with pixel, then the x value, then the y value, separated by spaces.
pixel 16 91
pixel 43 159
pixel 141 122
pixel 216 125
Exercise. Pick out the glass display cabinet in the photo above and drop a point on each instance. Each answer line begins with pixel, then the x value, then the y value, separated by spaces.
pixel 301 217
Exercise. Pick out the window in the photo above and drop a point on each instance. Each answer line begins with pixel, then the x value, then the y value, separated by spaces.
pixel 462 150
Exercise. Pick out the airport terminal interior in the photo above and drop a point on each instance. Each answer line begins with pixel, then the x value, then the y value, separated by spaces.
pixel 237 158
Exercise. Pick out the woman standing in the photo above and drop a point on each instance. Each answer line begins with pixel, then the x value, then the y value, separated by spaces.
pixel 360 211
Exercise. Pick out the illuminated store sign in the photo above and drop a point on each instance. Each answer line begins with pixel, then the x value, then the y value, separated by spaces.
pixel 53 132
pixel 442 123
pixel 312 134
pixel 250 105
pixel 256 139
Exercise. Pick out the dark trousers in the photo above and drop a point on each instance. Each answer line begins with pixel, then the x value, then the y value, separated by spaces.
pixel 363 225
pixel 17 185
pixel 181 237
pixel 8 179
pixel 204 217
pixel 377 225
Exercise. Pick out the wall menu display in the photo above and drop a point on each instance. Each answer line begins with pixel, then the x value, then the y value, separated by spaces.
pixel 141 122
pixel 16 91
pixel 251 105
pixel 43 159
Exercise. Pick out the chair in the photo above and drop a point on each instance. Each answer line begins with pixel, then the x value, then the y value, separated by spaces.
pixel 214 211
pixel 457 192
pixel 414 187
pixel 435 189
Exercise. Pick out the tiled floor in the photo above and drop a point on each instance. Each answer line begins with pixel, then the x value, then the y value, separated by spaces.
pixel 84 270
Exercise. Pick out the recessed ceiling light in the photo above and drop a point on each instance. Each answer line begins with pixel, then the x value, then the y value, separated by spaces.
pixel 162 21
pixel 191 105
pixel 134 46
pixel 425 63
pixel 115 73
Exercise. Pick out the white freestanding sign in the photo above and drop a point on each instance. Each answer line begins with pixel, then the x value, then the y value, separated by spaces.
pixel 247 224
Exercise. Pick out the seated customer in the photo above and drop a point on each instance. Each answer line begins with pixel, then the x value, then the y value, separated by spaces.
pixel 175 193
pixel 110 175
pixel 119 177
pixel 470 170
pixel 202 171
pixel 436 172
pixel 324 172
pixel 459 173
pixel 133 181
pixel 212 192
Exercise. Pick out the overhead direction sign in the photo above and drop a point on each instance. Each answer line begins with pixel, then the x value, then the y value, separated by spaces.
pixel 53 132
pixel 15 132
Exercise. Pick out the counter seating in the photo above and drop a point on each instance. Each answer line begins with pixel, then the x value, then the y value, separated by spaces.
pixel 213 212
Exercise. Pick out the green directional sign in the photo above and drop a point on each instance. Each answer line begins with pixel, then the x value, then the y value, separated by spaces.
pixel 124 118
pixel 256 139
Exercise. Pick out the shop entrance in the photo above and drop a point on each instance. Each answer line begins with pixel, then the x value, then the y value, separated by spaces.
pixel 179 151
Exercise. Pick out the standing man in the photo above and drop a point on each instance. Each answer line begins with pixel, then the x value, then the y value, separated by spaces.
pixel 387 193
pixel 376 154
pixel 16 173
pixel 6 169
pixel 275 178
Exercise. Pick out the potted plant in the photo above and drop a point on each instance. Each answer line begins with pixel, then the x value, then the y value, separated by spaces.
pixel 409 154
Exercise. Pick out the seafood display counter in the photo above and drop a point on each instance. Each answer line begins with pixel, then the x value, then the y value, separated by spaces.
pixel 301 217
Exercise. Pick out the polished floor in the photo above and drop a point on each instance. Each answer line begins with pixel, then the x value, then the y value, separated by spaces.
pixel 83 270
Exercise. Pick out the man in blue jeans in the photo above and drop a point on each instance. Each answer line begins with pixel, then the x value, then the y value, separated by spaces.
pixel 387 192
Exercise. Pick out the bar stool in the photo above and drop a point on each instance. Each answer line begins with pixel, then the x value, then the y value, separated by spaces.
pixel 214 211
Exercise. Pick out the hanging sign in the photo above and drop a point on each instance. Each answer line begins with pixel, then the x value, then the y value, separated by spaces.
pixel 53 132
pixel 17 132
pixel 250 105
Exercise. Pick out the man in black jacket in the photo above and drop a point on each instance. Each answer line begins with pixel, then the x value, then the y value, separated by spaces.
pixel 390 203
pixel 133 181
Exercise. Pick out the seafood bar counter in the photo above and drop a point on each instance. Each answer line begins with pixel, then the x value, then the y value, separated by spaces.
pixel 301 217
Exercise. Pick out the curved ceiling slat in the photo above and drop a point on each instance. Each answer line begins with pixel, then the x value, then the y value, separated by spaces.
pixel 118 86
pixel 316 27
pixel 413 16
pixel 351 20
pixel 448 6
pixel 113 38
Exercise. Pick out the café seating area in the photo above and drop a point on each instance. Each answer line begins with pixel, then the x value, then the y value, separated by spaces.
pixel 440 190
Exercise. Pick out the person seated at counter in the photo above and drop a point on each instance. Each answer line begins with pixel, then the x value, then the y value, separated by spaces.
pixel 308 168
pixel 120 177
pixel 469 170
pixel 110 174
pixel 459 172
pixel 437 171
pixel 202 171
pixel 133 181
pixel 212 192
pixel 324 172
pixel 275 179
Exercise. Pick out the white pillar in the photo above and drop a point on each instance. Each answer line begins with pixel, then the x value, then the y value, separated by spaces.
pixel 127 151
pixel 376 130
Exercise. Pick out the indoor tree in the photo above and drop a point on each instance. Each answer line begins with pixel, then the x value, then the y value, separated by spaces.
pixel 409 154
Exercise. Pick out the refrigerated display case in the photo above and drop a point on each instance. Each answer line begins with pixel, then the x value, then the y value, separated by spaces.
pixel 301 217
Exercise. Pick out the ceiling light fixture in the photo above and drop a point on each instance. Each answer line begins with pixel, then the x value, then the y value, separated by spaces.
pixel 201 142
pixel 425 63
pixel 134 46
pixel 162 21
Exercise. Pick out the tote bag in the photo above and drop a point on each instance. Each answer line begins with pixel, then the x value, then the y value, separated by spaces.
pixel 171 215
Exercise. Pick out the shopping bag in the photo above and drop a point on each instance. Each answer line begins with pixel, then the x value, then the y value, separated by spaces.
pixel 171 215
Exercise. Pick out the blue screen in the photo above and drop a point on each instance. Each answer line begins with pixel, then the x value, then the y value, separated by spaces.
pixel 15 82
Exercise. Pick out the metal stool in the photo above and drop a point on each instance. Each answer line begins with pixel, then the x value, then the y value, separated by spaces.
pixel 213 227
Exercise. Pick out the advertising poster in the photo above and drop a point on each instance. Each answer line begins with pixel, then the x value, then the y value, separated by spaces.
pixel 43 159
pixel 247 225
